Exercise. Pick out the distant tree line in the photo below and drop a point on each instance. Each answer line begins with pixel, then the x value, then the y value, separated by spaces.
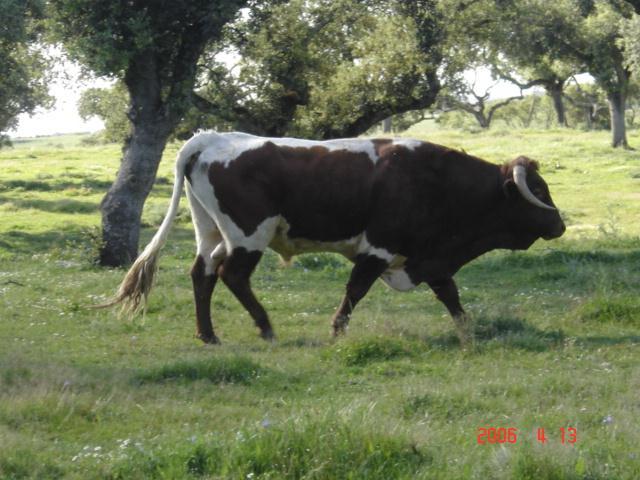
pixel 313 68
pixel 584 106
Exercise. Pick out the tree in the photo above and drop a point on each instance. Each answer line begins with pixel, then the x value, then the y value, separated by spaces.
pixel 603 56
pixel 587 105
pixel 110 105
pixel 468 97
pixel 582 33
pixel 153 48
pixel 327 68
pixel 471 38
pixel 525 35
pixel 23 67
pixel 516 40
pixel 312 69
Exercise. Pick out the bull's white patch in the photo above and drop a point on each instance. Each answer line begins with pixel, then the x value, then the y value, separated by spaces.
pixel 366 248
pixel 398 279
pixel 208 237
pixel 407 143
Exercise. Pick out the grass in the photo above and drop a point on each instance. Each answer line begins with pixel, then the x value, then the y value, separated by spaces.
pixel 86 394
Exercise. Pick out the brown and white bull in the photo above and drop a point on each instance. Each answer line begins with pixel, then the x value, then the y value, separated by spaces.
pixel 405 211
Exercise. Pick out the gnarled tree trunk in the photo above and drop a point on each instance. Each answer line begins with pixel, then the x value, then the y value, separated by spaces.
pixel 617 104
pixel 122 206
pixel 555 91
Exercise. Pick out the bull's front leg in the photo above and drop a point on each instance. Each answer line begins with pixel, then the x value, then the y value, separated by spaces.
pixel 447 292
pixel 366 270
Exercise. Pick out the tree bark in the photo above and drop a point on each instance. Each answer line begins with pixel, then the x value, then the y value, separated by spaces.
pixel 482 120
pixel 555 91
pixel 617 104
pixel 386 125
pixel 122 206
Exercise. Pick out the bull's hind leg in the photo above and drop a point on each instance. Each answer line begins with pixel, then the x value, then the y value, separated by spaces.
pixel 210 252
pixel 447 292
pixel 366 270
pixel 236 272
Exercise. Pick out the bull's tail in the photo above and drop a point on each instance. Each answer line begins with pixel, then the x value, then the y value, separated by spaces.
pixel 137 283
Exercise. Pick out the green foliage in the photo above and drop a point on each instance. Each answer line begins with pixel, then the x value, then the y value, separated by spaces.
pixel 389 69
pixel 109 105
pixel 108 37
pixel 23 66
pixel 302 72
pixel 631 42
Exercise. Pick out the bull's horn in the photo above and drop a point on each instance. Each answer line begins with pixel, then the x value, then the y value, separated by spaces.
pixel 520 178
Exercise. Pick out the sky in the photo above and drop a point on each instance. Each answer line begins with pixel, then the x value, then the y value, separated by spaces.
pixel 69 84
pixel 63 117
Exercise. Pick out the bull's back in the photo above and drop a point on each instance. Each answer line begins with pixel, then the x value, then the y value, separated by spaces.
pixel 320 189
pixel 325 194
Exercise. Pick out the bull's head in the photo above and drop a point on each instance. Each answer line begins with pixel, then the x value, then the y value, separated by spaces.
pixel 531 210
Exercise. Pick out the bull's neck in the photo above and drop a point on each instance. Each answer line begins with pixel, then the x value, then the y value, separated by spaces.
pixel 485 231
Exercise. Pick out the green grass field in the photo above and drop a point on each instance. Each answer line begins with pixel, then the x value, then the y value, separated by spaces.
pixel 86 394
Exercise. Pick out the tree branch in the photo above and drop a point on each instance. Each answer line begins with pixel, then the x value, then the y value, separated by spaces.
pixel 501 104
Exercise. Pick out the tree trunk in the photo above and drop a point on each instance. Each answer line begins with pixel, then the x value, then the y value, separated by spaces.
pixel 386 125
pixel 153 119
pixel 617 103
pixel 555 92
pixel 589 116
pixel 482 119
pixel 532 111
pixel 122 206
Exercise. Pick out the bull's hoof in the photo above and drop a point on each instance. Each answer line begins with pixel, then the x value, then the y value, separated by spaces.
pixel 467 341
pixel 268 335
pixel 340 324
pixel 338 331
pixel 209 339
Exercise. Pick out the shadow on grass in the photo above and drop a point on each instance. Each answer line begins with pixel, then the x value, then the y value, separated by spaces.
pixel 63 205
pixel 604 341
pixel 216 369
pixel 559 258
pixel 162 185
pixel 303 342
pixel 16 241
pixel 72 238
pixel 85 181
pixel 508 332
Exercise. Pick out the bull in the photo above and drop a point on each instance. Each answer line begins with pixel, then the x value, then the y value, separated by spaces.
pixel 405 211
